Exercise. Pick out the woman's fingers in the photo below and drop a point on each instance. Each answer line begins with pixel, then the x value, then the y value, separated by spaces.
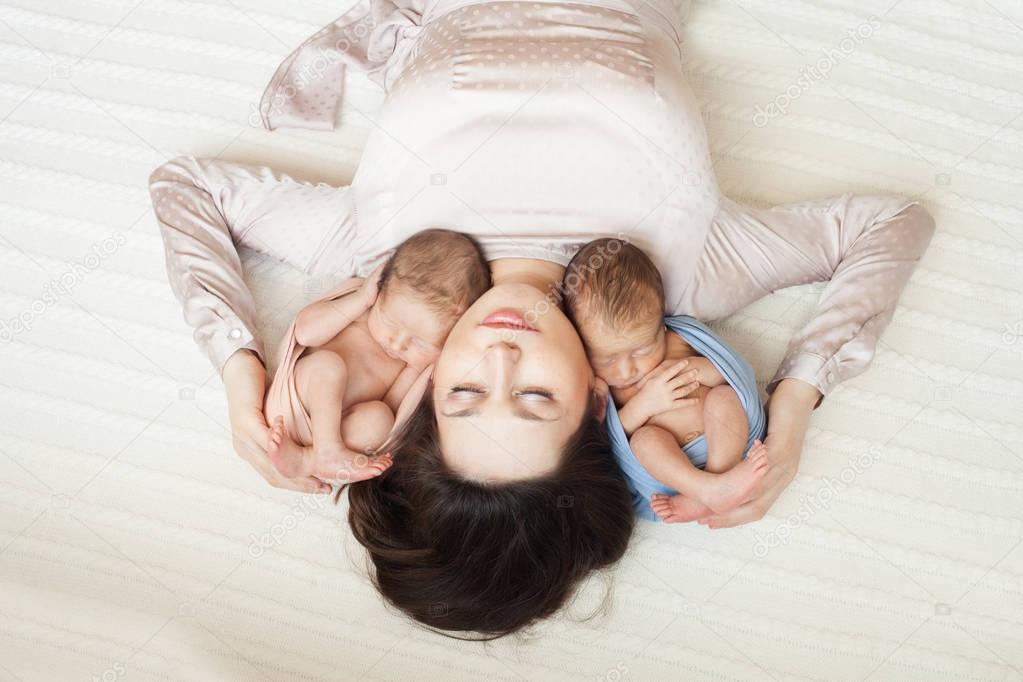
pixel 746 513
pixel 303 484
pixel 251 435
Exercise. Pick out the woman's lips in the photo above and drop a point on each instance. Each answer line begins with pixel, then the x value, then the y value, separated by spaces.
pixel 507 319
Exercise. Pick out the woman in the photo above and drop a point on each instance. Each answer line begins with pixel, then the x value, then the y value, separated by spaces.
pixel 534 127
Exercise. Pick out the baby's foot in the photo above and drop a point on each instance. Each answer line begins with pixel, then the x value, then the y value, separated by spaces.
pixel 730 489
pixel 678 508
pixel 289 458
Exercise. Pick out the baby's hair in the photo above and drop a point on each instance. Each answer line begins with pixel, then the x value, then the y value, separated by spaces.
pixel 614 282
pixel 443 268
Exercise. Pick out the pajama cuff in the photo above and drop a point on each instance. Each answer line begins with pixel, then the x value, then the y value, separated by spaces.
pixel 228 340
pixel 820 372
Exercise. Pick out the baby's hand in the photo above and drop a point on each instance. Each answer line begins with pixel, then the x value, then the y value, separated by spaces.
pixel 371 286
pixel 665 389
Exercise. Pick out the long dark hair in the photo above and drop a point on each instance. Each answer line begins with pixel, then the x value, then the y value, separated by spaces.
pixel 482 558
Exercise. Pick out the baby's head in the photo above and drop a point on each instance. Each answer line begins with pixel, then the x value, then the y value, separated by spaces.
pixel 615 298
pixel 426 285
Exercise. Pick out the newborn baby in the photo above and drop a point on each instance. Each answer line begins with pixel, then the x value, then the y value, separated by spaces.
pixel 350 360
pixel 665 392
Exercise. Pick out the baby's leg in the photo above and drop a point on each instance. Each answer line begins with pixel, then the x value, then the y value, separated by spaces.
pixel 679 508
pixel 366 426
pixel 658 451
pixel 726 428
pixel 321 378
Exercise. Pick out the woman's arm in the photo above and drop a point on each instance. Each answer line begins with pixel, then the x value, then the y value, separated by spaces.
pixel 206 210
pixel 865 247
pixel 788 416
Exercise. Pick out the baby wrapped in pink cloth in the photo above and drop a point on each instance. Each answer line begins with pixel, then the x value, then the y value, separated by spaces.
pixel 356 363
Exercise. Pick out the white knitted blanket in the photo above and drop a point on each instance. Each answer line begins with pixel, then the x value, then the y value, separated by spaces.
pixel 135 545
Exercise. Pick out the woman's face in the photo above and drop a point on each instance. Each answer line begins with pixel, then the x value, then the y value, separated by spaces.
pixel 508 393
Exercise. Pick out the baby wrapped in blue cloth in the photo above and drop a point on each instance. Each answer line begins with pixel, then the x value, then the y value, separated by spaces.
pixel 686 422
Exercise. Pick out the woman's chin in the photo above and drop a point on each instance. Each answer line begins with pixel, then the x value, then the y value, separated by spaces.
pixel 514 294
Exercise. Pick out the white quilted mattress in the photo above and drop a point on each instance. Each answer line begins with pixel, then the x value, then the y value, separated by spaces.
pixel 135 545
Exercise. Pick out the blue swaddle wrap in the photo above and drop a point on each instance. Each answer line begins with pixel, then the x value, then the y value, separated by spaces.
pixel 736 371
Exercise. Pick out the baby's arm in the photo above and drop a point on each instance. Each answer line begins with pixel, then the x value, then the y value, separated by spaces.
pixel 708 374
pixel 664 389
pixel 400 388
pixel 319 322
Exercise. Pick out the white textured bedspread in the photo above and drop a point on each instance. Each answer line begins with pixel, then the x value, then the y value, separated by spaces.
pixel 135 545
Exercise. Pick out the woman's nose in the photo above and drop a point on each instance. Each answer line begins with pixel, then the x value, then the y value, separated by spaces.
pixel 504 353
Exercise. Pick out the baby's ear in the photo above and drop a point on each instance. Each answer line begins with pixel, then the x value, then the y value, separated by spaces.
pixel 600 398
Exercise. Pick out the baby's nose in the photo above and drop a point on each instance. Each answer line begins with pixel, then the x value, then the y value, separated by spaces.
pixel 625 370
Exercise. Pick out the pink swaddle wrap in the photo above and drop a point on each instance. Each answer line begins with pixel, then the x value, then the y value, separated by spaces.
pixel 282 398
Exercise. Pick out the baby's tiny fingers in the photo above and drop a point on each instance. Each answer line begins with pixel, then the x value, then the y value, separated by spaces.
pixel 685 390
pixel 683 378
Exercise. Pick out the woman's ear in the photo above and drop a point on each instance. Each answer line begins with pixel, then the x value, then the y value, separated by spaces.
pixel 600 398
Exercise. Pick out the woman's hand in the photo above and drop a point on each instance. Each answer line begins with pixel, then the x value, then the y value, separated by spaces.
pixel 789 411
pixel 245 382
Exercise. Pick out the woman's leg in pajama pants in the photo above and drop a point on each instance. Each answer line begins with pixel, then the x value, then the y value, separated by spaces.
pixel 865 247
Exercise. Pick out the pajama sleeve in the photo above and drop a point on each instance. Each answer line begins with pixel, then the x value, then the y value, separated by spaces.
pixel 206 209
pixel 864 247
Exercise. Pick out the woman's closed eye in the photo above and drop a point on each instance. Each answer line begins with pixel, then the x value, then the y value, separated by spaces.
pixel 538 394
pixel 466 392
pixel 535 398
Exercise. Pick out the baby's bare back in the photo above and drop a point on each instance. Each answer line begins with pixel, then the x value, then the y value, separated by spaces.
pixel 371 371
